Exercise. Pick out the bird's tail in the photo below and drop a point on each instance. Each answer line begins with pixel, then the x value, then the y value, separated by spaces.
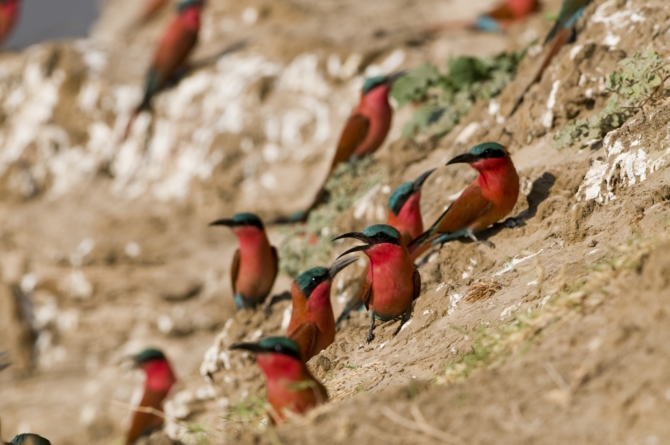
pixel 419 245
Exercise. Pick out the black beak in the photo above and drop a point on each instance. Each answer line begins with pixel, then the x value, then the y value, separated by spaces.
pixel 358 236
pixel 465 158
pixel 337 266
pixel 418 182
pixel 252 347
pixel 223 222
pixel 395 76
pixel 360 248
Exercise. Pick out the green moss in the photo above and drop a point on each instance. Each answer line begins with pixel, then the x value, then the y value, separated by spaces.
pixel 311 245
pixel 444 99
pixel 636 83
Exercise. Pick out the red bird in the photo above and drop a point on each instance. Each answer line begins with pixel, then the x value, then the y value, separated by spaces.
pixel 405 208
pixel 9 14
pixel 159 381
pixel 488 199
pixel 364 132
pixel 290 388
pixel 255 263
pixel 393 282
pixel 498 19
pixel 312 324
pixel 177 42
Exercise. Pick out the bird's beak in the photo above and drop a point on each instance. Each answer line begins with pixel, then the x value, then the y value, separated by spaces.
pixel 337 266
pixel 358 236
pixel 223 222
pixel 360 248
pixel 465 158
pixel 252 347
pixel 418 182
pixel 395 76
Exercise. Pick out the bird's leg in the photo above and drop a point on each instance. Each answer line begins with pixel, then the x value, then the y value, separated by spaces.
pixel 371 336
pixel 472 236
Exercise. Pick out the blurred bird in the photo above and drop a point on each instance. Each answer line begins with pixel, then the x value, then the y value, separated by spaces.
pixel 150 9
pixel 159 381
pixel 29 439
pixel 312 324
pixel 255 263
pixel 290 388
pixel 405 216
pixel 560 34
pixel 498 19
pixel 393 282
pixel 9 14
pixel 485 201
pixel 177 42
pixel 364 132
pixel 4 360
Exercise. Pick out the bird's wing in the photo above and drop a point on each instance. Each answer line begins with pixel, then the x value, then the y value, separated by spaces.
pixel 417 284
pixel 275 257
pixel 500 12
pixel 570 12
pixel 462 212
pixel 355 131
pixel 366 293
pixel 235 270
pixel 144 422
pixel 305 336
pixel 173 50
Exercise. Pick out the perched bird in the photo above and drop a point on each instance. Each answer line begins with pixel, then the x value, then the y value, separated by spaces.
pixel 290 388
pixel 159 381
pixel 312 324
pixel 364 132
pixel 498 19
pixel 177 42
pixel 9 13
pixel 150 9
pixel 405 216
pixel 255 263
pixel 393 282
pixel 29 439
pixel 560 34
pixel 485 201
pixel 405 208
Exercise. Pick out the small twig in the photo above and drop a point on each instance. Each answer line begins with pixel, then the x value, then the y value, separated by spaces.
pixel 556 377
pixel 420 426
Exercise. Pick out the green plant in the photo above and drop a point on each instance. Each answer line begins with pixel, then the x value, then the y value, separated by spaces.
pixel 443 99
pixel 635 84
pixel 311 245
pixel 247 410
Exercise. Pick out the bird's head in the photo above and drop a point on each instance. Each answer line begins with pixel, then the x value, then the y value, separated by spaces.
pixel 312 279
pixel 403 193
pixel 185 4
pixel 157 368
pixel 372 83
pixel 376 237
pixel 29 439
pixel 486 156
pixel 277 356
pixel 243 224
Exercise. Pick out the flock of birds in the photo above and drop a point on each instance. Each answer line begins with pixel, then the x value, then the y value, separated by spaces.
pixel 392 281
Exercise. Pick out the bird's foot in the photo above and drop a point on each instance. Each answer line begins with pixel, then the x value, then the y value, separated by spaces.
pixel 371 336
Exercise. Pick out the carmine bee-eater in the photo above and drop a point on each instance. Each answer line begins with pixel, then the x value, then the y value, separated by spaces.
pixel 485 201
pixel 150 9
pixel 9 13
pixel 177 42
pixel 290 388
pixel 159 381
pixel 559 35
pixel 405 216
pixel 255 263
pixel 29 439
pixel 498 19
pixel 393 282
pixel 312 324
pixel 363 133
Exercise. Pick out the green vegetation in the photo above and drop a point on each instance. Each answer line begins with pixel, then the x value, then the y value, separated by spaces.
pixel 248 410
pixel 311 245
pixel 637 83
pixel 443 99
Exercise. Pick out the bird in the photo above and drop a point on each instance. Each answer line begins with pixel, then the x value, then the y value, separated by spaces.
pixel 363 133
pixel 497 19
pixel 312 324
pixel 255 263
pixel 150 9
pixel 29 439
pixel 489 198
pixel 404 208
pixel 290 388
pixel 393 281
pixel 404 214
pixel 179 39
pixel 159 380
pixel 558 36
pixel 9 14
